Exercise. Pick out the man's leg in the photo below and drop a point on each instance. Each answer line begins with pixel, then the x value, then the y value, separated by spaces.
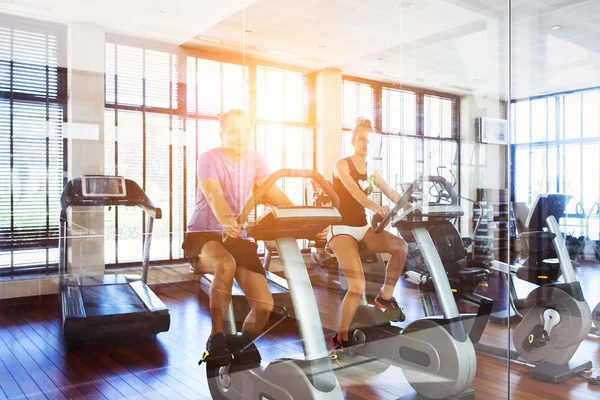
pixel 216 259
pixel 254 285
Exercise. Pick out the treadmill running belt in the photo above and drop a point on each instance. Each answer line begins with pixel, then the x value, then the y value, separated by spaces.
pixel 111 300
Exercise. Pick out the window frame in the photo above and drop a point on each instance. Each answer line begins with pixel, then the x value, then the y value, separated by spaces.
pixel 378 88
pixel 181 110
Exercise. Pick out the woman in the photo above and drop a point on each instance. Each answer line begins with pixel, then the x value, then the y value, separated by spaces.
pixel 226 176
pixel 352 185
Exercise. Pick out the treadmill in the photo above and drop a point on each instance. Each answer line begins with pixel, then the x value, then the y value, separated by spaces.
pixel 108 305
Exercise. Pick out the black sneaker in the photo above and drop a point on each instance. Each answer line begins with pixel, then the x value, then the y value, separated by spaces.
pixel 339 355
pixel 216 345
pixel 394 311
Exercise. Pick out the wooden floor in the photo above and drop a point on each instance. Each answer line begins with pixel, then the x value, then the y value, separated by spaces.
pixel 36 364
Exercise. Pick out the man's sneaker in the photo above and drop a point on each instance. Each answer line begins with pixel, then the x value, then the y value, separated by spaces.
pixel 216 345
pixel 340 350
pixel 395 312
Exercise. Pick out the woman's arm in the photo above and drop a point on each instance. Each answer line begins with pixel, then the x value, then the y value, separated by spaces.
pixel 385 187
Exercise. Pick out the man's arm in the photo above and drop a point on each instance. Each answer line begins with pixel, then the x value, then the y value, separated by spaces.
pixel 276 196
pixel 211 189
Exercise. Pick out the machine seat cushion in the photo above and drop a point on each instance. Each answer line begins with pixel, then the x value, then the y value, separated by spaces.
pixel 539 235
pixel 468 273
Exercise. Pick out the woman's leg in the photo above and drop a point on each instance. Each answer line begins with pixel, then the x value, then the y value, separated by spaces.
pixel 385 242
pixel 345 249
pixel 259 297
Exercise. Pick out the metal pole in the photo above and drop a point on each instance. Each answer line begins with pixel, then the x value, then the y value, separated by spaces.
pixel 303 298
pixel 566 266
pixel 146 255
pixel 437 272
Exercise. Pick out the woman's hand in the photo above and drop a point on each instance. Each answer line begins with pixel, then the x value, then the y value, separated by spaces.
pixel 381 210
pixel 231 227
pixel 323 234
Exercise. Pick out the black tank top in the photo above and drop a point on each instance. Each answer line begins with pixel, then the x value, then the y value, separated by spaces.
pixel 353 213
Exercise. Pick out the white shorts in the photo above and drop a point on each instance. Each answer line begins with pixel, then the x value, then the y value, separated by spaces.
pixel 357 232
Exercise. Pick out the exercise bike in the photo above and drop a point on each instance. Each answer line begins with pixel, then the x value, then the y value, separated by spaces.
pixel 464 274
pixel 555 317
pixel 313 377
pixel 435 354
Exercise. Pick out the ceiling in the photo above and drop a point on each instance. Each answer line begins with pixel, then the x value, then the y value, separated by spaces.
pixel 458 46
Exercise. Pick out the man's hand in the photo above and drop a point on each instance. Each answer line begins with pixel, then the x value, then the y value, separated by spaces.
pixel 231 227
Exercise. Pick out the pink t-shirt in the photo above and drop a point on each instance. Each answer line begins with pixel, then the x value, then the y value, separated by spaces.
pixel 236 179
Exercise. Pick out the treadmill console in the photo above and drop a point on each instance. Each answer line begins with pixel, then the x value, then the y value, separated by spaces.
pixel 106 190
pixel 103 186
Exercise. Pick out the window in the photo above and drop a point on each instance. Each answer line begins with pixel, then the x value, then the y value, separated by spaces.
pixel 144 141
pixel 420 129
pixel 283 133
pixel 556 149
pixel 162 111
pixel 32 111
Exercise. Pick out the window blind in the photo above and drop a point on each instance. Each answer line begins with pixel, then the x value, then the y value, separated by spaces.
pixel 419 128
pixel 144 142
pixel 32 110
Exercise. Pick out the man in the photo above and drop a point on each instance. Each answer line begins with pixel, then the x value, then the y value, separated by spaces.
pixel 226 176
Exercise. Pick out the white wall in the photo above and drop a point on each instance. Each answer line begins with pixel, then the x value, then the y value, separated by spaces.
pixel 482 165
pixel 329 120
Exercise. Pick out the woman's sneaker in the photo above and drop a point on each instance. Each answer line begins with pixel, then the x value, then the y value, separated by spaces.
pixel 216 345
pixel 395 312
pixel 340 350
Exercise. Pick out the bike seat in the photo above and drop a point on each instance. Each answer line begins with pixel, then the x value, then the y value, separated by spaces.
pixel 468 273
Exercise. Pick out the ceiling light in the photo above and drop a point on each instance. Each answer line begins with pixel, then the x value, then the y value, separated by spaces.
pixel 161 13
pixel 431 71
pixel 556 27
pixel 321 47
pixel 380 59
pixel 248 31
pixel 405 5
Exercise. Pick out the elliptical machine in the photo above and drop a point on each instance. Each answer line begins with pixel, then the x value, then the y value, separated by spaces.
pixel 313 377
pixel 435 353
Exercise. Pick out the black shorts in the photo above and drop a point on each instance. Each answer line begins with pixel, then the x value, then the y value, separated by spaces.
pixel 244 252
